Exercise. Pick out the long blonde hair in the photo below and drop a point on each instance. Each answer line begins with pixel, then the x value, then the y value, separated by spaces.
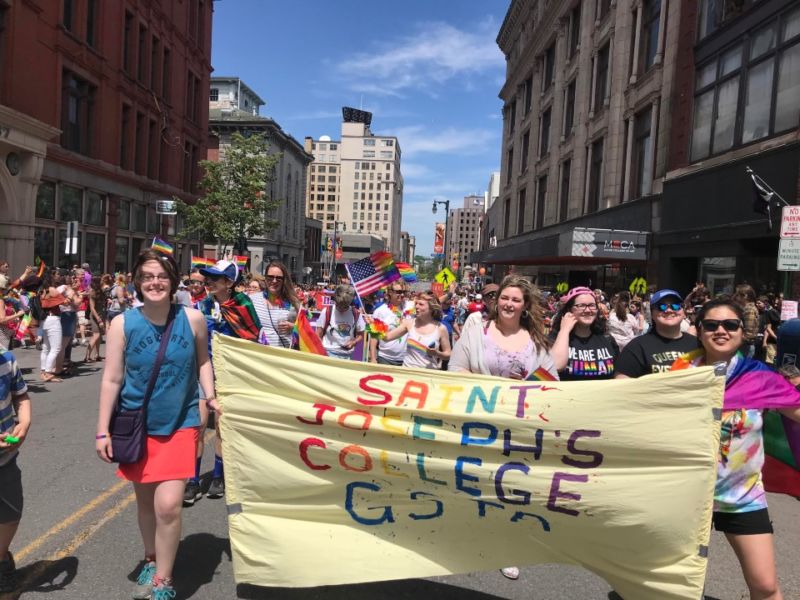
pixel 532 318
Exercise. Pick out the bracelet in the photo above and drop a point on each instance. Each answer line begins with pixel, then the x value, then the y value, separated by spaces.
pixel 102 436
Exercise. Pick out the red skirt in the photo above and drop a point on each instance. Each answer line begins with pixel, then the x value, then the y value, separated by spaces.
pixel 166 458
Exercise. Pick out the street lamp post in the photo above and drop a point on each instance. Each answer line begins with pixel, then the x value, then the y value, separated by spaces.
pixel 446 224
pixel 336 247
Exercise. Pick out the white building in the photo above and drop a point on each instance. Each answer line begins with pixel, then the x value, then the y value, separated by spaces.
pixel 228 93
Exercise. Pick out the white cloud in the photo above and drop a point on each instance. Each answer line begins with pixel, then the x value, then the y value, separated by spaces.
pixel 412 170
pixel 316 114
pixel 438 189
pixel 434 54
pixel 418 139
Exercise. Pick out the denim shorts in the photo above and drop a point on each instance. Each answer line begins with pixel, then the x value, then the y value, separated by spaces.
pixel 68 322
pixel 10 492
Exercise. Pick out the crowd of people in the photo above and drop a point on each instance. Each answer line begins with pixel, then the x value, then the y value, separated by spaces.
pixel 509 329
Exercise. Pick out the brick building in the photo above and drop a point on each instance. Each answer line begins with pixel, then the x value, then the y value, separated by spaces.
pixel 115 118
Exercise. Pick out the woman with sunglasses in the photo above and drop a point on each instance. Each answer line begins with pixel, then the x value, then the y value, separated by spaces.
pixel 391 312
pixel 581 348
pixel 277 306
pixel 740 502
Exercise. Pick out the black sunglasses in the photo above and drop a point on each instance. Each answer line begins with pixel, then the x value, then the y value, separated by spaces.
pixel 675 306
pixel 727 324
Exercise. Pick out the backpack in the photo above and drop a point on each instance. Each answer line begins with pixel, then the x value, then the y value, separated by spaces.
pixel 37 312
pixel 329 314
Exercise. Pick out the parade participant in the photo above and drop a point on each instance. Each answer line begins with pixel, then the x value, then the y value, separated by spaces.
pixel 476 305
pixel 120 300
pixel 489 293
pixel 50 300
pixel 581 348
pixel 15 405
pixel 391 313
pixel 228 313
pixel 768 322
pixel 339 326
pixel 257 284
pixel 740 502
pixel 511 343
pixel 277 306
pixel 623 325
pixel 745 296
pixel 9 319
pixel 428 342
pixel 197 288
pixel 69 322
pixel 655 351
pixel 173 416
pixel 97 311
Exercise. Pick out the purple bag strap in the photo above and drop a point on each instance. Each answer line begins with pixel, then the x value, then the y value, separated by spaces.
pixel 162 350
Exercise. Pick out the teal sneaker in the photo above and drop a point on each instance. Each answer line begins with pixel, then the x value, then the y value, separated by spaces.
pixel 163 592
pixel 144 583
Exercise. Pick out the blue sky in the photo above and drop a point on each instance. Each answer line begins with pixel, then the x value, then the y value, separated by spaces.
pixel 428 70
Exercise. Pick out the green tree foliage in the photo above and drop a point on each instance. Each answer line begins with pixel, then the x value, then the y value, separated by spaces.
pixel 233 194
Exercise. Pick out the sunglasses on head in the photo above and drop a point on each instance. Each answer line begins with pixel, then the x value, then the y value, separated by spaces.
pixel 727 324
pixel 663 306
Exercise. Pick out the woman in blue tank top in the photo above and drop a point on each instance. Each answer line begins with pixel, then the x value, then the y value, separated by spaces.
pixel 173 416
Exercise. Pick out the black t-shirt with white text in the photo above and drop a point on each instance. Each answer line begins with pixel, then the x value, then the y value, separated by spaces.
pixel 652 353
pixel 592 358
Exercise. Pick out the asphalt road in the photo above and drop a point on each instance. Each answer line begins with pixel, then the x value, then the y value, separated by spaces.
pixel 79 540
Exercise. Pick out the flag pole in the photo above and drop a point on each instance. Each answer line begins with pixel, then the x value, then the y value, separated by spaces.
pixel 766 185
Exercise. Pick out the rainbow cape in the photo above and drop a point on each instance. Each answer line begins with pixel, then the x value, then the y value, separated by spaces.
pixel 241 261
pixel 239 313
pixel 199 262
pixel 304 337
pixel 750 384
pixel 406 271
pixel 160 245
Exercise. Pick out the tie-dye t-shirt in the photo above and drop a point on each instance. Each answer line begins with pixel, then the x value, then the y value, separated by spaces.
pixel 741 456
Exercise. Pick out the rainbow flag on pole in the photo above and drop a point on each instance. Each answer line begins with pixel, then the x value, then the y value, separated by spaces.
pixel 160 245
pixel 407 272
pixel 40 263
pixel 201 262
pixel 241 261
pixel 304 336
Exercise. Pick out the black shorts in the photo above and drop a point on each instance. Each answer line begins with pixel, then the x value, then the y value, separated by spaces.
pixel 10 493
pixel 743 523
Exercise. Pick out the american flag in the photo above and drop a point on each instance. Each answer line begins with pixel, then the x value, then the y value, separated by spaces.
pixel 371 274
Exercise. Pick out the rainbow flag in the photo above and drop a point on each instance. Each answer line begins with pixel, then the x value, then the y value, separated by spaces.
pixel 541 374
pixel 304 337
pixel 407 272
pixel 42 266
pixel 22 328
pixel 416 345
pixel 200 262
pixel 241 261
pixel 160 245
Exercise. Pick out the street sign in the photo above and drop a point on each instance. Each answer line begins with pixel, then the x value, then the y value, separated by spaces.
pixel 166 207
pixel 789 255
pixel 790 222
pixel 71 242
pixel 437 289
pixel 445 277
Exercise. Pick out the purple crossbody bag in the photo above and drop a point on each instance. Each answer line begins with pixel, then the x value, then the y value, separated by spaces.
pixel 128 428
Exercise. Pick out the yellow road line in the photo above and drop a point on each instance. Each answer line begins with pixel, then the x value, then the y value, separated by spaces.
pixel 27 550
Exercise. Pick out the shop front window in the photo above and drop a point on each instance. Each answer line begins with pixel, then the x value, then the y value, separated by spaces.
pixel 719 274
pixel 43 242
pixel 122 248
pixel 46 200
pixel 124 215
pixel 64 260
pixel 95 251
pixel 70 209
pixel 95 209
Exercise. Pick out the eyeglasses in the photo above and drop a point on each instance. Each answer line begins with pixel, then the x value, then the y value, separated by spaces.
pixel 195 282
pixel 674 306
pixel 490 295
pixel 149 277
pixel 582 307
pixel 396 291
pixel 727 324
pixel 273 277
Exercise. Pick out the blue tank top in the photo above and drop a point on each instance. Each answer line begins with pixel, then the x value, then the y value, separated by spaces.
pixel 174 402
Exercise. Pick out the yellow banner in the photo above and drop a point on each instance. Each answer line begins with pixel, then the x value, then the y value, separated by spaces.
pixel 341 472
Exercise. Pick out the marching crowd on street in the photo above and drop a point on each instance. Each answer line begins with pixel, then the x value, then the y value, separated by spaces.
pixel 165 383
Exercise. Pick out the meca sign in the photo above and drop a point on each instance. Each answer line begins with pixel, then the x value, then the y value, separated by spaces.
pixel 606 243
pixel 619 246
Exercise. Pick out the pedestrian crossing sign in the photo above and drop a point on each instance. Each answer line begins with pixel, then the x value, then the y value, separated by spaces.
pixel 445 277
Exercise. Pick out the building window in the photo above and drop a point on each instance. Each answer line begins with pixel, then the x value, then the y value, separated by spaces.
pixel 512 117
pixel 544 133
pixel 46 200
pixel 192 88
pixel 749 92
pixel 140 139
pixel 77 101
pixel 214 95
pixel 509 166
pixel 91 22
pixel 569 109
pixel 526 141
pixel 127 43
pixel 369 153
pixel 602 80
pixel 563 203
pixel 155 50
pixel 166 74
pixel 507 217
pixel 528 95
pixel 71 203
pixel 714 13
pixel 142 67
pixel 595 177
pixel 648 44
pixel 386 154
pixel 541 198
pixel 124 137
pixel 68 18
pixel 369 142
pixel 574 30
pixel 603 8
pixel 642 153
pixel 521 212
pixel 43 243
pixel 548 67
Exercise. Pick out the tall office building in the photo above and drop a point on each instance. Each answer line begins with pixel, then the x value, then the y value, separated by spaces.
pixel 355 183
pixel 464 234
